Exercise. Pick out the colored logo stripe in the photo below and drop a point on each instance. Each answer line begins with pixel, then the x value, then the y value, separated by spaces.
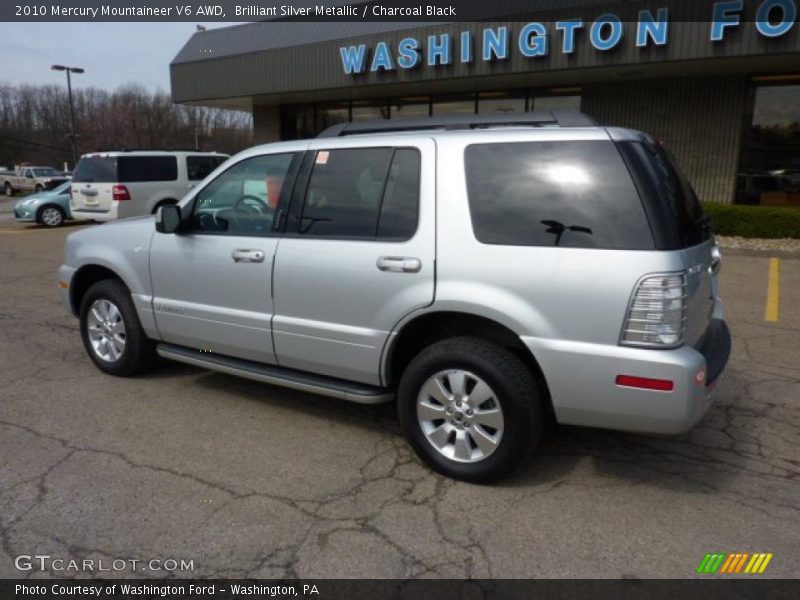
pixel 734 563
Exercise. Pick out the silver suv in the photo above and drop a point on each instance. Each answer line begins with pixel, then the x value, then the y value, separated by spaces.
pixel 490 274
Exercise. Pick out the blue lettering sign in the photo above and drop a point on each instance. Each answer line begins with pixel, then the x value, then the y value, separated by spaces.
pixel 353 58
pixel 788 16
pixel 495 43
pixel 655 29
pixel 533 40
pixel 466 47
pixel 382 58
pixel 439 52
pixel 407 54
pixel 614 37
pixel 725 16
pixel 569 28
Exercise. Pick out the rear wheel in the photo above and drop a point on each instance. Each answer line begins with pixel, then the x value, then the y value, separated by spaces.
pixel 8 190
pixel 39 189
pixel 52 216
pixel 111 331
pixel 471 409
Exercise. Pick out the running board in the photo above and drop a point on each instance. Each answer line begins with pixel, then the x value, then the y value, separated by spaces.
pixel 290 378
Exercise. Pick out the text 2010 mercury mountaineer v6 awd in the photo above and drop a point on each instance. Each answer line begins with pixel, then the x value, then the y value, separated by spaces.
pixel 490 274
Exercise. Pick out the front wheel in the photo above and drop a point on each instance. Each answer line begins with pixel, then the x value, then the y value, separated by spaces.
pixel 39 189
pixel 8 190
pixel 471 409
pixel 52 216
pixel 111 331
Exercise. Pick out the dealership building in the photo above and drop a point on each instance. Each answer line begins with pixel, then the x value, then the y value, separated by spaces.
pixel 722 93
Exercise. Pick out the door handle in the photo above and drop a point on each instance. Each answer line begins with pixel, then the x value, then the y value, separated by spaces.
pixel 251 256
pixel 399 264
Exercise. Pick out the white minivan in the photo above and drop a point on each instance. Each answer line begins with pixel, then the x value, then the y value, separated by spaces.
pixel 115 185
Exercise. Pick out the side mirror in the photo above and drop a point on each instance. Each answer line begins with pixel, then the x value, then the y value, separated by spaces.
pixel 168 218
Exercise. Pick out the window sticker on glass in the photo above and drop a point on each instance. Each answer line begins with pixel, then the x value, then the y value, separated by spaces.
pixel 322 157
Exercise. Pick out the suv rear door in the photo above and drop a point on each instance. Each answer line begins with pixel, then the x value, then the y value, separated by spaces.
pixel 357 256
pixel 92 183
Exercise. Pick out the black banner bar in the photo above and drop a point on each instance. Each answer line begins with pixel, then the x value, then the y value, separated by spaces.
pixel 745 588
pixel 382 10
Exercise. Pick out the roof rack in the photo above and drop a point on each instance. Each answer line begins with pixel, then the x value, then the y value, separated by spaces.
pixel 551 118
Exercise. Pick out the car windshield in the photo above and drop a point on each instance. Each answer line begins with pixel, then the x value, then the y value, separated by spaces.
pixel 61 189
pixel 46 172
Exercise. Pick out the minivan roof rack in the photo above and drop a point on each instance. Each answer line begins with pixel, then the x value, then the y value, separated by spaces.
pixel 557 118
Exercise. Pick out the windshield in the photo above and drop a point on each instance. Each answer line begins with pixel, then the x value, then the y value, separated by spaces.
pixel 96 169
pixel 46 172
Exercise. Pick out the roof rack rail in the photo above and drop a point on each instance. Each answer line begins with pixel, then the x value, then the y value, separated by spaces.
pixel 153 150
pixel 551 118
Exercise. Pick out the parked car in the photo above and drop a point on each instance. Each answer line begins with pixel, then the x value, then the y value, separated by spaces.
pixel 488 273
pixel 50 209
pixel 31 179
pixel 114 185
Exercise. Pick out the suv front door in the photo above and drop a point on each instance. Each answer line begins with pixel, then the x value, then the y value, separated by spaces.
pixel 212 281
pixel 357 256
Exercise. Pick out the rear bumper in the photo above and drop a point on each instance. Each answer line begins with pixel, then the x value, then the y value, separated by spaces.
pixel 89 214
pixel 582 382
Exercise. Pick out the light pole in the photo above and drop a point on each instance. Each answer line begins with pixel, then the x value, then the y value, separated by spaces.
pixel 72 136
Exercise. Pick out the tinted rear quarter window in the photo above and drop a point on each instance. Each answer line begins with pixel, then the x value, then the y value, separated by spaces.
pixel 147 168
pixel 96 169
pixel 575 194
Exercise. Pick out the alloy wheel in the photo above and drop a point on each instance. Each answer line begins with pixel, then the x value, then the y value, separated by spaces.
pixel 460 415
pixel 106 330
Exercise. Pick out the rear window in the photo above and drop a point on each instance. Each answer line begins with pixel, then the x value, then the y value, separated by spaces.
pixel 96 169
pixel 147 168
pixel 571 194
pixel 199 167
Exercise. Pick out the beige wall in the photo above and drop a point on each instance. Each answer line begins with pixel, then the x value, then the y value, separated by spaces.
pixel 700 119
pixel 266 124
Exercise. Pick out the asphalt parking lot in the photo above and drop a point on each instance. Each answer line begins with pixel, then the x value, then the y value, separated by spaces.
pixel 250 480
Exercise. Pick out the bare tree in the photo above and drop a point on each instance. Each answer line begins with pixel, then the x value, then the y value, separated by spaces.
pixel 34 123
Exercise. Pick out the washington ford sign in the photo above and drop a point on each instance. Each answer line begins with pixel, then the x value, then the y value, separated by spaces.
pixel 774 18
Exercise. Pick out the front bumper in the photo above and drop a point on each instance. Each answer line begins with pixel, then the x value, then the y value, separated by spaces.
pixel 582 382
pixel 22 216
pixel 64 282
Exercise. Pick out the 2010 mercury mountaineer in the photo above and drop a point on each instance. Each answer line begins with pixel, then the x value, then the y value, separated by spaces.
pixel 490 273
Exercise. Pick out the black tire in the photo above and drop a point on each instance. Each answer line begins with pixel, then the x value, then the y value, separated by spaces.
pixel 515 389
pixel 139 352
pixel 39 189
pixel 55 211
pixel 8 190
pixel 163 203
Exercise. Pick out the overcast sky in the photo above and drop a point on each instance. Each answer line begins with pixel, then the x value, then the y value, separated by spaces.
pixel 112 53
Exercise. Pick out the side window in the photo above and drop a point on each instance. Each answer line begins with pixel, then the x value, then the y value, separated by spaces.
pixel 400 207
pixel 243 199
pixel 576 194
pixel 147 168
pixel 363 193
pixel 200 167
pixel 344 193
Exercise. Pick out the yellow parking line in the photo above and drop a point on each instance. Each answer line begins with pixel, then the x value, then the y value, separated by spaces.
pixel 773 290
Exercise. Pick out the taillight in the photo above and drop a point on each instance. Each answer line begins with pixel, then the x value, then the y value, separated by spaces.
pixel 120 192
pixel 657 312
